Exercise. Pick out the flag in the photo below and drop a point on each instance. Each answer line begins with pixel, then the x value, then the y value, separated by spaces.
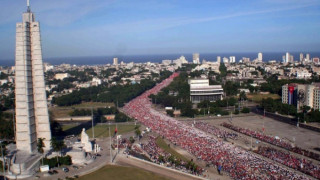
pixel 115 131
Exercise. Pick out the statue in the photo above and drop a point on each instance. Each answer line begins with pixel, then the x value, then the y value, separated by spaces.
pixel 86 144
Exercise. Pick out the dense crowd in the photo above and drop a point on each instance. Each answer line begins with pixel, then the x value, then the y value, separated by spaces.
pixel 237 162
pixel 220 133
pixel 287 159
pixel 159 156
pixel 273 140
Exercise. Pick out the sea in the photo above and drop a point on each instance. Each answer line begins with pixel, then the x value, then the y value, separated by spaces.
pixel 102 60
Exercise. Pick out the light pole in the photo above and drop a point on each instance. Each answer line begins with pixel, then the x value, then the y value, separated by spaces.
pixel 111 159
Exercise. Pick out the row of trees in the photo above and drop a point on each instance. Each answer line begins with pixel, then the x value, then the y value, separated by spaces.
pixel 118 94
pixel 98 114
pixel 307 114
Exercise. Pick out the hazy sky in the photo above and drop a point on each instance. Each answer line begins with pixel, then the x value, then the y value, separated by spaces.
pixel 124 27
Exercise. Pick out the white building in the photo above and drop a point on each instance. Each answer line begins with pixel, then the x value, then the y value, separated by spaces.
pixel 200 90
pixel 181 60
pixel 232 59
pixel 115 61
pixel 61 76
pixel 166 62
pixel 196 58
pixel 287 57
pixel 303 74
pixel 225 60
pixel 308 57
pixel 301 57
pixel 260 57
pixel 218 59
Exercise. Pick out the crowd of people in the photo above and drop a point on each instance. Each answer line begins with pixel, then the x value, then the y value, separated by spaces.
pixel 287 159
pixel 273 140
pixel 220 133
pixel 235 161
pixel 159 156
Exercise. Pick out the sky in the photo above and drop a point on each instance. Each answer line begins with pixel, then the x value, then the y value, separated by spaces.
pixel 71 28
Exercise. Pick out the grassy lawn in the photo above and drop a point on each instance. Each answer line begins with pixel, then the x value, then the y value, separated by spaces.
pixel 122 173
pixel 258 97
pixel 163 145
pixel 65 111
pixel 93 104
pixel 99 130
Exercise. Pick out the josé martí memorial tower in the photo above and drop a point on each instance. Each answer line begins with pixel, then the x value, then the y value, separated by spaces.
pixel 32 118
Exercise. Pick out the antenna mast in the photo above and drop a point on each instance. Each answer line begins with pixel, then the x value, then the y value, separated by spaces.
pixel 28 5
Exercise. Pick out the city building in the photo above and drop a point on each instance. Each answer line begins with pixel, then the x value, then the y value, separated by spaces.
pixel 115 61
pixel 166 62
pixel 245 60
pixel 315 60
pixel 61 76
pixel 225 60
pixel 260 57
pixel 301 57
pixel 308 57
pixel 200 90
pixel 302 94
pixel 196 58
pixel 32 118
pixel 232 59
pixel 218 59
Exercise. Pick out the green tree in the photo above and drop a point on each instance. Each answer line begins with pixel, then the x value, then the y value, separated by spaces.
pixel 170 113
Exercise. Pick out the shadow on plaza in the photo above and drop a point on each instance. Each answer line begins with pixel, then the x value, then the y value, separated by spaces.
pixel 76 130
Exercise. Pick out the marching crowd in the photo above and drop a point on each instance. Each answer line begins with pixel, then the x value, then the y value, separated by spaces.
pixel 237 162
pixel 220 133
pixel 159 156
pixel 287 159
pixel 273 140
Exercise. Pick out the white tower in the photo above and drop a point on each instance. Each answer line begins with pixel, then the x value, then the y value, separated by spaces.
pixel 260 56
pixel 32 119
pixel 115 61
pixel 287 57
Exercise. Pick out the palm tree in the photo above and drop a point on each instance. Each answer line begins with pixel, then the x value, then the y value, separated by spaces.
pixel 57 146
pixel 40 146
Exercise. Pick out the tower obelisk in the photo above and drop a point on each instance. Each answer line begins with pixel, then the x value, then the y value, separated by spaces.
pixel 32 118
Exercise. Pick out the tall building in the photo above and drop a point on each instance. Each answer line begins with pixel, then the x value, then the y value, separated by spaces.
pixel 287 57
pixel 260 56
pixel 225 60
pixel 196 58
pixel 32 119
pixel 301 57
pixel 115 61
pixel 308 57
pixel 232 59
pixel 302 94
pixel 218 59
